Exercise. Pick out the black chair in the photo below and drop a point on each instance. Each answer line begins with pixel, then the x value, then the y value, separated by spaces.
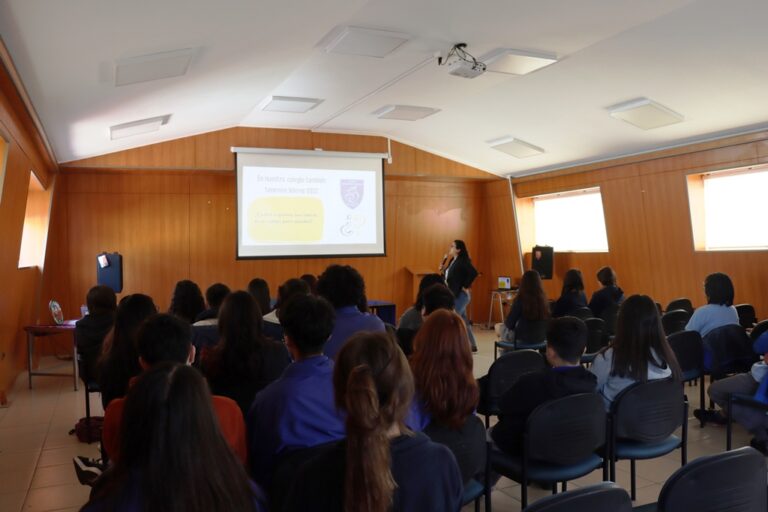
pixel 559 443
pixel 582 313
pixel 528 335
pixel 659 308
pixel 759 329
pixel 681 303
pixel 732 481
pixel 642 421
pixel 728 350
pixel 605 496
pixel 405 340
pixel 747 315
pixel 689 351
pixel 609 316
pixel 597 338
pixel 501 375
pixel 738 399
pixel 674 321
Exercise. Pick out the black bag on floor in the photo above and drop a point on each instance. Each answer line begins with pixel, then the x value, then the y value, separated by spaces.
pixel 88 430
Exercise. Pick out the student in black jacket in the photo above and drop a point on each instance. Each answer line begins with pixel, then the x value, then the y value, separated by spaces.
pixel 459 275
pixel 566 341
pixel 608 294
pixel 572 296
pixel 93 327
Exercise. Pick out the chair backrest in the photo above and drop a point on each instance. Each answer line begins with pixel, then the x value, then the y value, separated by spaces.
pixel 649 411
pixel 675 321
pixel 508 368
pixel 730 349
pixel 747 315
pixel 681 303
pixel 597 337
pixel 468 444
pixel 759 329
pixel 531 331
pixel 405 339
pixel 732 481
pixel 688 349
pixel 602 496
pixel 204 336
pixel 582 313
pixel 609 316
pixel 566 430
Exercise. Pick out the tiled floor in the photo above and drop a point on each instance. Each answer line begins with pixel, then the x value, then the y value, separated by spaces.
pixel 36 451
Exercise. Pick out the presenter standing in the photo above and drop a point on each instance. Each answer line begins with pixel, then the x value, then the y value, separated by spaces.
pixel 459 275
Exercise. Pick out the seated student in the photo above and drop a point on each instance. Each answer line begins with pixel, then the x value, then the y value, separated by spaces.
pixel 259 288
pixel 608 294
pixel 174 456
pixel 380 466
pixel 119 361
pixel 93 327
pixel 639 351
pixel 344 288
pixel 572 296
pixel 243 362
pixel 187 301
pixel 412 318
pixel 290 288
pixel 442 354
pixel 214 296
pixel 311 280
pixel 719 310
pixel 566 341
pixel 437 296
pixel 167 339
pixel 529 306
pixel 297 410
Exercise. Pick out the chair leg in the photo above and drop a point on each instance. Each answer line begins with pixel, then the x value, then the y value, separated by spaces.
pixel 701 400
pixel 524 493
pixel 487 422
pixel 565 486
pixel 477 505
pixel 554 487
pixel 633 484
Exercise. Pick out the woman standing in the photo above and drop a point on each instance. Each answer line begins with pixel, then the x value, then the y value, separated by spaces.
pixel 459 276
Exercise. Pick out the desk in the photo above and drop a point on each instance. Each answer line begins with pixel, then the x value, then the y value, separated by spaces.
pixel 502 297
pixel 384 310
pixel 39 331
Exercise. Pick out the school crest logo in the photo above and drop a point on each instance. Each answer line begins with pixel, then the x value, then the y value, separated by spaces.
pixel 352 192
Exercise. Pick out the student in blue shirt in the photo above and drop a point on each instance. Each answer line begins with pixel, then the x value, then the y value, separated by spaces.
pixel 297 410
pixel 719 310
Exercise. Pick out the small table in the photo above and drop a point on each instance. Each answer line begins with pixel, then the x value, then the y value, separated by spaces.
pixel 502 297
pixel 35 331
pixel 384 310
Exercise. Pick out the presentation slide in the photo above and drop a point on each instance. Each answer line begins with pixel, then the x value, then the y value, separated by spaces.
pixel 309 204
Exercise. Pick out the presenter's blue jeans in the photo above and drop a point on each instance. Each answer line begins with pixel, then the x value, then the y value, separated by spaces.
pixel 462 301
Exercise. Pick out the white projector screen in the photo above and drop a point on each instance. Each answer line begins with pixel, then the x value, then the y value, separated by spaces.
pixel 309 203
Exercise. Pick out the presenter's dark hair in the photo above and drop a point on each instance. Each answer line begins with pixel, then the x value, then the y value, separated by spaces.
pixel 638 335
pixel 374 385
pixel 101 300
pixel 164 338
pixel 187 301
pixel 342 285
pixel 441 354
pixel 289 289
pixel 573 282
pixel 719 289
pixel 259 288
pixel 240 338
pixel 462 247
pixel 568 338
pixel 606 276
pixel 532 297
pixel 215 295
pixel 308 321
pixel 437 296
pixel 426 282
pixel 169 444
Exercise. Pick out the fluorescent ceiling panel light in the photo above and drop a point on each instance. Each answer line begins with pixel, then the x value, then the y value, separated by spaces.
pixel 645 114
pixel 155 66
pixel 516 62
pixel 515 147
pixel 363 41
pixel 404 112
pixel 291 104
pixel 151 124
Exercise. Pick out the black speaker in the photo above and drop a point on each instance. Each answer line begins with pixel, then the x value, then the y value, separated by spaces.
pixel 542 260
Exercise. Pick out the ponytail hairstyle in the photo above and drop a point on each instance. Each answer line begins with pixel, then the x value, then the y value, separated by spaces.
pixel 374 385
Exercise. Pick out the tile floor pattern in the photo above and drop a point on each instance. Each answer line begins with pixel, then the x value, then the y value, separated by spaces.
pixel 36 451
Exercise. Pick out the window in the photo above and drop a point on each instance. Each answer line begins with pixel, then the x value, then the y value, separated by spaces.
pixel 35 232
pixel 734 211
pixel 571 221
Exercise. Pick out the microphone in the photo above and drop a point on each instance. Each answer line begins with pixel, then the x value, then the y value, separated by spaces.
pixel 445 258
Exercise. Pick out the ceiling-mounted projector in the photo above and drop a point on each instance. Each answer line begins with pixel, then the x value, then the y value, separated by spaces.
pixel 461 63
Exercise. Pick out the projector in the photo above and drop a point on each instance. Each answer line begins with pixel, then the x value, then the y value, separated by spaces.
pixel 466 68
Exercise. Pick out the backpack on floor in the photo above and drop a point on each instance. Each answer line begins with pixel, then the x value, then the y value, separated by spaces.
pixel 88 430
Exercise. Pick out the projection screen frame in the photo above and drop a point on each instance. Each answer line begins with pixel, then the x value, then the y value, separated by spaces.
pixel 310 152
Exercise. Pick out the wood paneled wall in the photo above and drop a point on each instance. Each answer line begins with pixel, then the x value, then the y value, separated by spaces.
pixel 648 223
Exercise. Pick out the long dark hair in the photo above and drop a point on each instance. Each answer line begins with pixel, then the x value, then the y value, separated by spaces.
pixel 170 445
pixel 532 297
pixel 240 323
pixel 462 247
pixel 187 301
pixel 638 335
pixel 572 282
pixel 259 288
pixel 374 385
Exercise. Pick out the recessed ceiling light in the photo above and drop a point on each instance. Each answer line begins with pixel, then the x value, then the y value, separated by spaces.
pixel 516 62
pixel 155 66
pixel 148 125
pixel 363 41
pixel 645 114
pixel 291 104
pixel 515 147
pixel 404 112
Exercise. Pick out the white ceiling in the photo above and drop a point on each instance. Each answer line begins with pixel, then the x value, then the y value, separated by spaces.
pixel 705 59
